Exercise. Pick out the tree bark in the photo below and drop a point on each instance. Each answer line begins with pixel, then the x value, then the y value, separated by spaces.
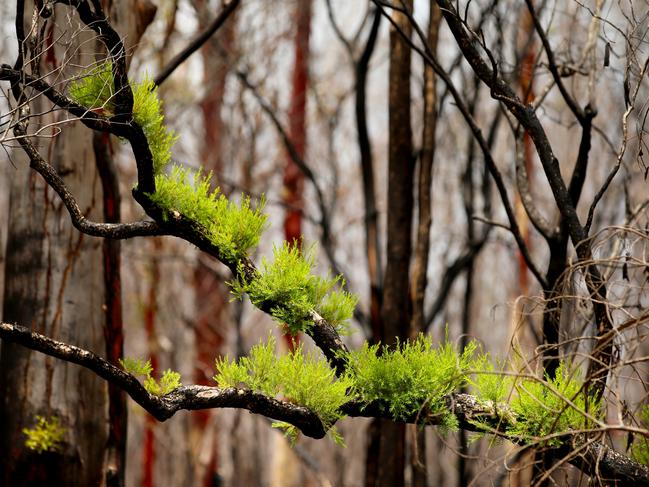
pixel 54 278
pixel 387 468
pixel 424 222
pixel 54 283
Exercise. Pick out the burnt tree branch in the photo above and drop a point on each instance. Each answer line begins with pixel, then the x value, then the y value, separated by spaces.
pixel 196 43
pixel 116 231
pixel 477 134
pixel 191 397
pixel 595 458
pixel 526 116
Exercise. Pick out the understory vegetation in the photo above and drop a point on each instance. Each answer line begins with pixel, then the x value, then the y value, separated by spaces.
pixel 46 435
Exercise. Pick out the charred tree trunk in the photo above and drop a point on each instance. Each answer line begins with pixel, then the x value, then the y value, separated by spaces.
pixel 293 178
pixel 424 222
pixel 55 280
pixel 115 457
pixel 386 468
pixel 54 283
pixel 372 239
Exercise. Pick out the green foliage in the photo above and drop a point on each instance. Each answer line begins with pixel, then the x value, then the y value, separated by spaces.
pixel 287 283
pixel 412 376
pixel 96 89
pixel 489 381
pixel 337 306
pixel 147 112
pixel 494 389
pixel 556 405
pixel 640 447
pixel 232 228
pixel 538 408
pixel 297 377
pixel 169 381
pixel 47 435
pixel 415 378
pixel 136 366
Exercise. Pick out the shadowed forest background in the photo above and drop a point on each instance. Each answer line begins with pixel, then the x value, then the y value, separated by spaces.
pixel 475 171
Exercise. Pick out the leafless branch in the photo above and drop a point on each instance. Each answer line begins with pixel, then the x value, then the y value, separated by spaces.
pixel 477 133
pixel 195 44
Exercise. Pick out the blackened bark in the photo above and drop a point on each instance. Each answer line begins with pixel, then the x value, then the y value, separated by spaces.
pixel 424 221
pixel 424 189
pixel 401 164
pixel 602 354
pixel 54 284
pixel 594 458
pixel 372 240
pixel 388 466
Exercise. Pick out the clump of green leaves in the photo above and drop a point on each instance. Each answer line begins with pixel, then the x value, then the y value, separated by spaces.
pixel 232 228
pixel 640 447
pixel 556 405
pixel 169 381
pixel 47 435
pixel 294 292
pixel 147 112
pixel 489 381
pixel 413 376
pixel 297 377
pixel 96 89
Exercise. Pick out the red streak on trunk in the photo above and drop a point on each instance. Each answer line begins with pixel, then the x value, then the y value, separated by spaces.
pixel 293 177
pixel 148 453
pixel 113 322
pixel 150 312
pixel 526 85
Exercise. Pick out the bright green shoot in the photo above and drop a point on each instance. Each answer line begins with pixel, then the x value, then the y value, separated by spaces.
pixel 413 376
pixel 47 435
pixel 96 90
pixel 640 448
pixel 489 380
pixel 555 405
pixel 298 377
pixel 538 408
pixel 169 381
pixel 147 112
pixel 233 228
pixel 288 283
